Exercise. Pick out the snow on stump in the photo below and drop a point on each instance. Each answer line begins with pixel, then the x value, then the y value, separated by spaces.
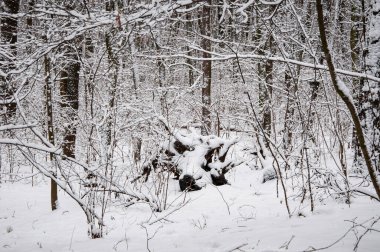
pixel 203 161
pixel 196 160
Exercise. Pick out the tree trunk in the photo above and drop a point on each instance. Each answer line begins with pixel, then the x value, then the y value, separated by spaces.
pixel 370 105
pixel 8 33
pixel 50 129
pixel 289 114
pixel 348 101
pixel 206 67
pixel 189 62
pixel 69 90
pixel 266 88
pixel 29 24
pixel 267 108
pixel 355 66
pixel 114 66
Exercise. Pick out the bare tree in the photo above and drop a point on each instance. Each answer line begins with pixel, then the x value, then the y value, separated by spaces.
pixel 342 91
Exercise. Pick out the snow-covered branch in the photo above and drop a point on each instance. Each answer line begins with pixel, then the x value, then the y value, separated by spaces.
pixel 16 127
pixel 241 56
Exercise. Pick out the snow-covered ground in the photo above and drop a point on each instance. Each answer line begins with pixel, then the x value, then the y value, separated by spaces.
pixel 245 215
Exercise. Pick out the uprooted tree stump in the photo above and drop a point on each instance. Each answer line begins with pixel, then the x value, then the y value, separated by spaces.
pixel 194 159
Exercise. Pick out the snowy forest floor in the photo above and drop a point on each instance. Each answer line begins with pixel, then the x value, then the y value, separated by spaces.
pixel 245 215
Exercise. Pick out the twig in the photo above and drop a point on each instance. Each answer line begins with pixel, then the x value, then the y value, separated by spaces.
pixel 328 246
pixel 125 239
pixel 228 207
pixel 71 239
pixel 237 247
pixel 171 212
pixel 151 237
pixel 353 228
pixel 367 194
pixel 367 229
pixel 287 243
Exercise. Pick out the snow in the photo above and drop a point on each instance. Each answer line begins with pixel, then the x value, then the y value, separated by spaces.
pixel 271 3
pixel 246 213
pixel 12 126
pixel 192 162
pixel 223 57
pixel 2 74
pixel 342 87
pixel 29 145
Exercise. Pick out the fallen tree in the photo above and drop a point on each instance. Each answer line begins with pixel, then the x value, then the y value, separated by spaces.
pixel 195 160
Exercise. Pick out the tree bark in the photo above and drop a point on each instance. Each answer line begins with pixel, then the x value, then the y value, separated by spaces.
pixel 189 62
pixel 114 66
pixel 289 112
pixel 370 104
pixel 206 67
pixel 8 33
pixel 355 66
pixel 69 90
pixel 347 100
pixel 50 129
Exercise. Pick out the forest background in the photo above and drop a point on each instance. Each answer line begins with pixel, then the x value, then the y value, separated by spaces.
pixel 90 90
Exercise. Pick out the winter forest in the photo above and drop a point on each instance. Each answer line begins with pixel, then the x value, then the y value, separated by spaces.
pixel 190 125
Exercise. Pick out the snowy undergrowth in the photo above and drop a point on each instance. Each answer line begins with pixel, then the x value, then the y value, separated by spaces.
pixel 246 215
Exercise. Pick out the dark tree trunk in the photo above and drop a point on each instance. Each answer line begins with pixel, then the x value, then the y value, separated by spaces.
pixel 355 66
pixel 360 131
pixel 50 128
pixel 189 28
pixel 370 103
pixel 289 113
pixel 267 109
pixel 206 67
pixel 268 89
pixel 29 24
pixel 8 32
pixel 69 90
pixel 114 65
